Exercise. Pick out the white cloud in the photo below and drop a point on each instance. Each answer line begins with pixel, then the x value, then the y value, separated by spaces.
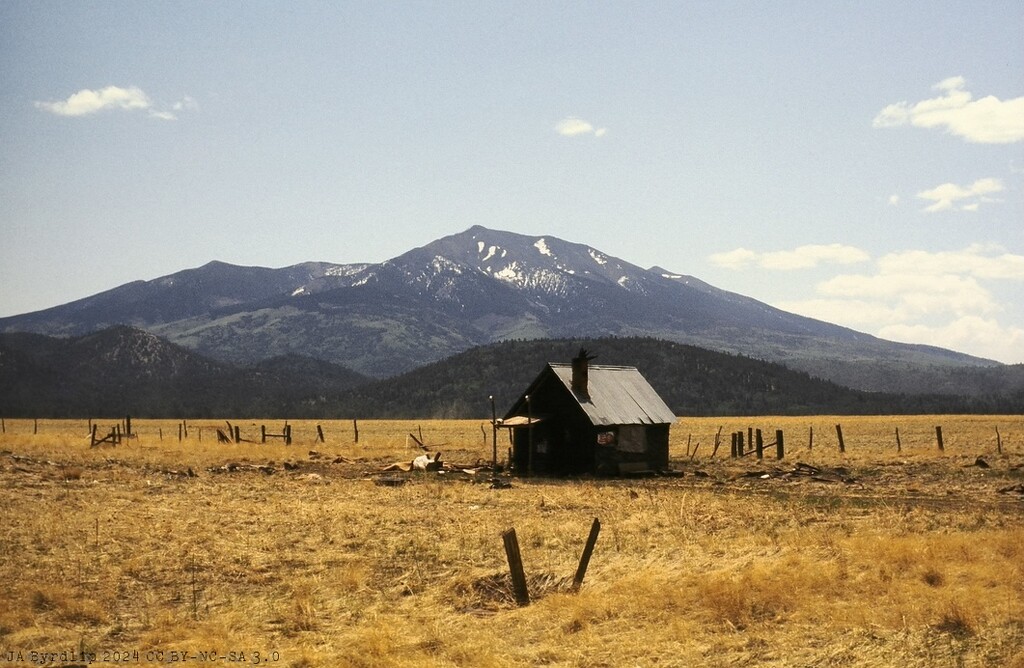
pixel 945 196
pixel 87 101
pixel 940 298
pixel 985 121
pixel 802 257
pixel 91 101
pixel 979 261
pixel 986 336
pixel 740 258
pixel 908 294
pixel 186 103
pixel 572 127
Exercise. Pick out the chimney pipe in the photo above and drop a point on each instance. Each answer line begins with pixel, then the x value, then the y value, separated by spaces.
pixel 581 374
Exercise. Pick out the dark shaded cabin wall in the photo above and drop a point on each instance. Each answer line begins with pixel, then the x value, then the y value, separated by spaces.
pixel 657 445
pixel 563 441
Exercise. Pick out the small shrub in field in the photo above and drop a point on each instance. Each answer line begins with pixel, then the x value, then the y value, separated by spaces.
pixel 957 621
pixel 933 578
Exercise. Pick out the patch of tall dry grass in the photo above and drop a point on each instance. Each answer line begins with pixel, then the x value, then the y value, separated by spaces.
pixel 108 547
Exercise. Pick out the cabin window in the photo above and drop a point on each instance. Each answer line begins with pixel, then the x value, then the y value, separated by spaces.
pixel 632 438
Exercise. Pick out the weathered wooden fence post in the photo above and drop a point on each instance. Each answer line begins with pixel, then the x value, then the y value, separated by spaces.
pixel 780 447
pixel 739 444
pixel 581 570
pixel 494 436
pixel 319 434
pixel 128 426
pixel 263 433
pixel 92 436
pixel 179 432
pixel 35 426
pixel 999 441
pixel 287 434
pixel 732 449
pixel 718 441
pixel 515 566
pixel 839 433
pixel 238 434
pixel 938 437
pixel 355 429
pixel 899 446
pixel 759 446
pixel 810 440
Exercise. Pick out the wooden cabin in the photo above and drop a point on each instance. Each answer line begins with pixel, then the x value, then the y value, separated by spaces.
pixel 583 418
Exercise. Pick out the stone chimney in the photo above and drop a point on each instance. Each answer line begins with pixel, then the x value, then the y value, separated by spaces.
pixel 581 374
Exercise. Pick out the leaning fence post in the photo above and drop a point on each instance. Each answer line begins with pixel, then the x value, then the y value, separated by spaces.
pixel 515 567
pixel 899 446
pixel 319 434
pixel 581 571
pixel 999 441
pixel 938 437
pixel 839 433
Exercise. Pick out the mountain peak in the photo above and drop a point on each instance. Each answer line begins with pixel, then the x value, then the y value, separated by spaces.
pixel 474 287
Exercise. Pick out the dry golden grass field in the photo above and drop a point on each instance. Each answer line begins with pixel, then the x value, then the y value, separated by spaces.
pixel 157 551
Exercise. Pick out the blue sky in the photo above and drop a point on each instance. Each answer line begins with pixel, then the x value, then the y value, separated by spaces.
pixel 858 162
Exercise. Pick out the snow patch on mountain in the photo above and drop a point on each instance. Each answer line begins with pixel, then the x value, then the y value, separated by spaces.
pixel 511 273
pixel 598 257
pixel 442 264
pixel 542 246
pixel 343 270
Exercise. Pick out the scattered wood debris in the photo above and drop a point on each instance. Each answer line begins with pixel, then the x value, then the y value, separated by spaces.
pixel 802 470
pixel 235 467
pixel 425 463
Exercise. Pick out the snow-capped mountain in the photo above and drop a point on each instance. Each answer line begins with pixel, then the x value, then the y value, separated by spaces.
pixel 464 290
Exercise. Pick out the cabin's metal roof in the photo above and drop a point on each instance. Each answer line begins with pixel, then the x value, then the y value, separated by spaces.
pixel 618 395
